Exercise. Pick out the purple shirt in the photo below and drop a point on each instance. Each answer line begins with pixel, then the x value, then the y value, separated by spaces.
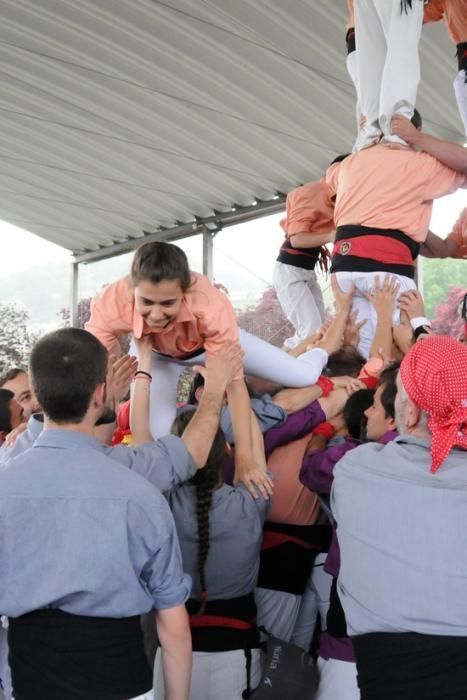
pixel 295 427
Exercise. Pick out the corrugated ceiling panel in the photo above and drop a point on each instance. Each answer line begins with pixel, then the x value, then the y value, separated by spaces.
pixel 120 116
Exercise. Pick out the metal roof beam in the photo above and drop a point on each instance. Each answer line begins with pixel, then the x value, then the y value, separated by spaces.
pixel 237 215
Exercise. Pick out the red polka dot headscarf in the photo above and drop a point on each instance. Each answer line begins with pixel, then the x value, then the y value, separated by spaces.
pixel 434 375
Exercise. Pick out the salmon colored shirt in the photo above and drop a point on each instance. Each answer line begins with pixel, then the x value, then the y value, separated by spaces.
pixel 454 13
pixel 309 209
pixel 206 319
pixel 390 187
pixel 293 503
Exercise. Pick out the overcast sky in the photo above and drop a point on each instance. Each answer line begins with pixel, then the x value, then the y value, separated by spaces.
pixel 35 273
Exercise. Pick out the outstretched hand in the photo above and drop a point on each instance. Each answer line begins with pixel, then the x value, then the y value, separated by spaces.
pixel 255 478
pixel 224 365
pixel 383 296
pixel 10 439
pixel 343 300
pixel 123 373
pixel 412 303
pixel 352 329
pixel 404 128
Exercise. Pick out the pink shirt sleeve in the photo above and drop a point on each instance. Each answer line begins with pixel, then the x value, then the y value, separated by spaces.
pixel 112 314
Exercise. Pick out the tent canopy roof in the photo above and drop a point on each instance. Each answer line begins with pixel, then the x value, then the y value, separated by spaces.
pixel 122 116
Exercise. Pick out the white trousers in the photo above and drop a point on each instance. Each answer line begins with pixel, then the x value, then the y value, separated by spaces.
pixel 352 70
pixel 388 63
pixel 337 680
pixel 277 612
pixel 314 602
pixel 147 696
pixel 363 282
pixel 217 675
pixel 261 360
pixel 460 89
pixel 301 299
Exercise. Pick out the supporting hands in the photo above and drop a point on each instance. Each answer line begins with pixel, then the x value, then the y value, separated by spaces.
pixel 383 296
pixel 349 384
pixel 222 367
pixel 404 128
pixel 412 303
pixel 10 439
pixel 123 373
pixel 332 340
pixel 342 300
pixel 352 329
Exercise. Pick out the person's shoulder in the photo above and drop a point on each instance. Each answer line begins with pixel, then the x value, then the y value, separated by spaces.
pixel 362 455
pixel 133 486
pixel 237 503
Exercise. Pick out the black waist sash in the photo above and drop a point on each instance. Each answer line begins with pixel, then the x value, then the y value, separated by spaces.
pixel 57 656
pixel 368 249
pixel 411 666
pixel 462 56
pixel 288 553
pixel 224 625
pixel 305 258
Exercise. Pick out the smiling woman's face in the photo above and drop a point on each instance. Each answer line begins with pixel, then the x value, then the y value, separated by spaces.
pixel 158 303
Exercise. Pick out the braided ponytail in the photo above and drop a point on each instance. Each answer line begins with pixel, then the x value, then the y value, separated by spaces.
pixel 203 506
pixel 206 481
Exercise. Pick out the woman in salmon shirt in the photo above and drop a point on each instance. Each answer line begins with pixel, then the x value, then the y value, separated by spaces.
pixel 189 320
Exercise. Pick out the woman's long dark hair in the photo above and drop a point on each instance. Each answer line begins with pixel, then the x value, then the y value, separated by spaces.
pixel 405 4
pixel 205 480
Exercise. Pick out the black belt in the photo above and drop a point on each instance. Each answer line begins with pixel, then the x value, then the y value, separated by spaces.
pixel 55 655
pixel 210 634
pixel 346 261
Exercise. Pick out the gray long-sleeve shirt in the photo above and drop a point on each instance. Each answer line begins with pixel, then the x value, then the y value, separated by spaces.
pixel 81 533
pixel 402 537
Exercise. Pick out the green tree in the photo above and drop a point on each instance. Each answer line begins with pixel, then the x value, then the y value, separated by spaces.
pixel 16 340
pixel 439 277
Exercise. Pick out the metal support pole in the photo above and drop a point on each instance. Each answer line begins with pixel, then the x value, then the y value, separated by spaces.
pixel 208 250
pixel 74 282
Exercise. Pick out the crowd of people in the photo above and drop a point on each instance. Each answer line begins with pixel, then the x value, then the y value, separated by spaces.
pixel 313 495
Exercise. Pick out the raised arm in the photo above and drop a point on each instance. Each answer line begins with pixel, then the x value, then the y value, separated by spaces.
pixel 451 154
pixel 383 299
pixel 311 240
